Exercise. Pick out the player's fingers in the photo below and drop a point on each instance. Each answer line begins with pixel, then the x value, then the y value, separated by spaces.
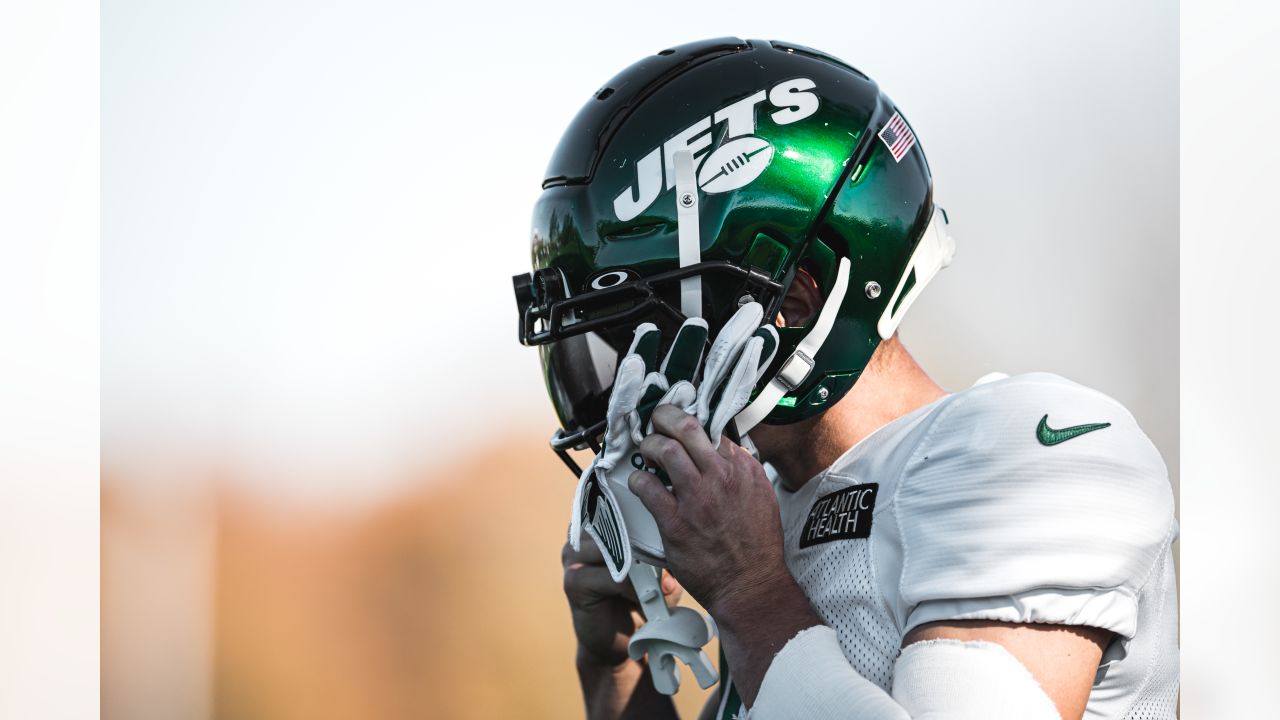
pixel 588 553
pixel 671 587
pixel 587 585
pixel 669 455
pixel 676 423
pixel 655 497
pixel 728 449
pixel 747 468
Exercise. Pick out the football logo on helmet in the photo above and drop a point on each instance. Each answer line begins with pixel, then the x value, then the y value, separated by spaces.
pixel 735 164
pixel 741 157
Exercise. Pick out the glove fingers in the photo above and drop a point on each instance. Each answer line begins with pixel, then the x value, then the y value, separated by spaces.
pixel 627 385
pixel 644 344
pixel 735 393
pixel 655 387
pixel 769 335
pixel 685 355
pixel 630 386
pixel 627 392
pixel 724 352
pixel 674 382
pixel 683 395
pixel 730 341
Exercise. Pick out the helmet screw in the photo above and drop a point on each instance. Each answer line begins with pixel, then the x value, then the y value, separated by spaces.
pixel 745 299
pixel 823 393
pixel 873 289
pixel 686 200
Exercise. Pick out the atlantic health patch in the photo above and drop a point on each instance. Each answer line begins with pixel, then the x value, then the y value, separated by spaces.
pixel 841 515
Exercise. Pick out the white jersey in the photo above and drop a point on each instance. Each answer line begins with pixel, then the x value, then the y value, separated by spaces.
pixel 1023 499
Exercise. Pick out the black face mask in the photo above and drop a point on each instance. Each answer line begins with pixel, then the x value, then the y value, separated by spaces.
pixel 582 338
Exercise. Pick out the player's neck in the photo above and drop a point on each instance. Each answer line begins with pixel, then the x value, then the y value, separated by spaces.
pixel 893 385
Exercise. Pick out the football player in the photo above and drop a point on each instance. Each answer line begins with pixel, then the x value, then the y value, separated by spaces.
pixel 729 234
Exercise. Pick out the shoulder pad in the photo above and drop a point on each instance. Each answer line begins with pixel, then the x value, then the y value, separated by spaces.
pixel 1033 487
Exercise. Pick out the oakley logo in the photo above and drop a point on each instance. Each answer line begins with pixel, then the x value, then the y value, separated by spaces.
pixel 740 159
pixel 606 280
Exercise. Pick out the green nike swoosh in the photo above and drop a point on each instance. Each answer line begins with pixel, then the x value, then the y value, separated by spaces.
pixel 1048 436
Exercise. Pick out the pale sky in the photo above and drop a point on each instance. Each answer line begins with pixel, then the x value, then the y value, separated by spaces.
pixel 311 213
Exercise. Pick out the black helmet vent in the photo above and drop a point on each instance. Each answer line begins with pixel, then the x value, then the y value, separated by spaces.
pixel 575 159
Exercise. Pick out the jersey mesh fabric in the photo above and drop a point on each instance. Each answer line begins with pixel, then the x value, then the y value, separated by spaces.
pixel 1158 695
pixel 840 578
pixel 840 581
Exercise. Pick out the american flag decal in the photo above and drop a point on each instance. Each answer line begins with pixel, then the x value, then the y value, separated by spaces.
pixel 897 136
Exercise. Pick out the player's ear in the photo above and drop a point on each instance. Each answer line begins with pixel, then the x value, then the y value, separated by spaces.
pixel 802 303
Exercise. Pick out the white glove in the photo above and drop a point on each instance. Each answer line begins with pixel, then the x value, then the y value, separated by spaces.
pixel 610 520
pixel 738 359
pixel 603 504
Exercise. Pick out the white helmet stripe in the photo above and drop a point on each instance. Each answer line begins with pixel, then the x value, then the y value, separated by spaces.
pixel 934 252
pixel 687 227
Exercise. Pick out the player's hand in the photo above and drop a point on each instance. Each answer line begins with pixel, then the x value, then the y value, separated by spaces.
pixel 719 521
pixel 605 613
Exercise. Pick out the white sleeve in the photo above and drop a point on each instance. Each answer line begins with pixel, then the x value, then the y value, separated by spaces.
pixel 1031 499
pixel 810 678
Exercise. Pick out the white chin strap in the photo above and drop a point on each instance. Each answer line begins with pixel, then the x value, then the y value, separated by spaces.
pixel 796 368
pixel 934 252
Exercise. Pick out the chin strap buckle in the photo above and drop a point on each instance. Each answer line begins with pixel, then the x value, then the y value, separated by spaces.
pixel 796 369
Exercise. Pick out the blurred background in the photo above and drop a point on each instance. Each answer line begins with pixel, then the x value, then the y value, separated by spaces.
pixel 326 491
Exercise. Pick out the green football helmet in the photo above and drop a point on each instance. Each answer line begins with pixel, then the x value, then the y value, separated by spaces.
pixel 800 162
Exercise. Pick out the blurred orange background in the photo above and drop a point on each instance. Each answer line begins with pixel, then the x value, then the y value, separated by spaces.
pixel 439 601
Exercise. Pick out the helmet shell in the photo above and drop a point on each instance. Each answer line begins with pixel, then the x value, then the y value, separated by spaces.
pixel 791 173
